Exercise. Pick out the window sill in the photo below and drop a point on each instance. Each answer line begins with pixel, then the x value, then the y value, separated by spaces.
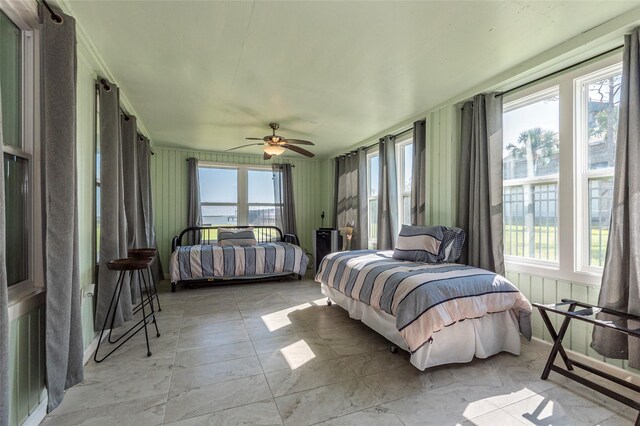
pixel 545 270
pixel 24 300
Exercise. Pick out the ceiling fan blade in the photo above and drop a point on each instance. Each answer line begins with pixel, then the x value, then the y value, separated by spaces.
pixel 299 142
pixel 266 156
pixel 299 150
pixel 244 146
pixel 254 139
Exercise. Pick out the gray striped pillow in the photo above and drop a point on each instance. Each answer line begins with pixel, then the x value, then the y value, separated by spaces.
pixel 420 244
pixel 236 237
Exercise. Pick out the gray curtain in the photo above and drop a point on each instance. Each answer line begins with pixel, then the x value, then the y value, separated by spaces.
pixel 480 185
pixel 131 193
pixel 283 193
pixel 620 289
pixel 350 199
pixel 113 222
pixel 146 234
pixel 63 336
pixel 418 174
pixel 387 194
pixel 194 213
pixel 4 302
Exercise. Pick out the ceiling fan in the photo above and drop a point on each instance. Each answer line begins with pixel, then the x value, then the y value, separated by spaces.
pixel 276 145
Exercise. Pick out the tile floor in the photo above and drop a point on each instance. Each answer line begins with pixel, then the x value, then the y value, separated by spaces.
pixel 275 353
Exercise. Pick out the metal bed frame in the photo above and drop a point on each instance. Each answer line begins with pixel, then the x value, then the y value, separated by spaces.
pixel 206 235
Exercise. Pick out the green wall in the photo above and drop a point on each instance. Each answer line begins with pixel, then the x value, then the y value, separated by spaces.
pixel 170 189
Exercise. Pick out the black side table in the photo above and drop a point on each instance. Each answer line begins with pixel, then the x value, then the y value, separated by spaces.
pixel 587 313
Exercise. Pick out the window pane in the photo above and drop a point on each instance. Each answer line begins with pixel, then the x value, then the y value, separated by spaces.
pixel 531 221
pixel 11 81
pixel 408 166
pixel 219 215
pixel 602 111
pixel 373 219
pixel 406 210
pixel 261 187
pixel 16 203
pixel 374 162
pixel 531 139
pixel 218 185
pixel 600 200
pixel 262 215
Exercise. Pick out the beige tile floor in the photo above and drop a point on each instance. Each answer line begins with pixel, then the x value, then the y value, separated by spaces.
pixel 274 353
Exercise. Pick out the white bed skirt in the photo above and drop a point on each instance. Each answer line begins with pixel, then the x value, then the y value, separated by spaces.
pixel 457 343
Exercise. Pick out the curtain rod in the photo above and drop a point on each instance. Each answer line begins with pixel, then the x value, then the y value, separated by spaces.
pixel 54 16
pixel 376 143
pixel 561 70
pixel 279 164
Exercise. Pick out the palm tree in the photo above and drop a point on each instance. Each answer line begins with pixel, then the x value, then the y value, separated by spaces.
pixel 538 147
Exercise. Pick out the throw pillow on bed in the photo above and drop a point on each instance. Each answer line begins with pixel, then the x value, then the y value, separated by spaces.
pixel 420 244
pixel 236 237
pixel 452 244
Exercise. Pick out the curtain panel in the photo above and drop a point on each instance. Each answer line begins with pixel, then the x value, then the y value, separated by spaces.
pixel 194 213
pixel 283 196
pixel 387 194
pixel 620 288
pixel 128 126
pixel 146 233
pixel 63 330
pixel 113 221
pixel 350 204
pixel 418 174
pixel 4 302
pixel 480 187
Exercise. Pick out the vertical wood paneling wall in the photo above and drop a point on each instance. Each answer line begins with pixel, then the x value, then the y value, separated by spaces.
pixel 170 191
pixel 86 188
pixel 26 365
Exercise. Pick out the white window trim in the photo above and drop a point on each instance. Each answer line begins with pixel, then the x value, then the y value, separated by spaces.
pixel 581 185
pixel 25 16
pixel 408 140
pixel 566 268
pixel 243 187
pixel 373 152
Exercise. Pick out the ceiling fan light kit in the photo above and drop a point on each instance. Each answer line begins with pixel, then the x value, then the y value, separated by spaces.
pixel 274 149
pixel 276 145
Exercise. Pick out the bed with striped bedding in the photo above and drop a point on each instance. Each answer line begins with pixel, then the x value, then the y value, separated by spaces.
pixel 424 298
pixel 203 262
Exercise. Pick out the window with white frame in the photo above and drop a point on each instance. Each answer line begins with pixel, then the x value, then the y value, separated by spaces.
pixel 404 160
pixel 597 109
pixel 531 161
pixel 373 168
pixel 17 82
pixel 559 160
pixel 236 195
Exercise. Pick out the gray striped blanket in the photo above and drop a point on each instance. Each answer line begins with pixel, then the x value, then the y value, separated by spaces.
pixel 424 298
pixel 212 261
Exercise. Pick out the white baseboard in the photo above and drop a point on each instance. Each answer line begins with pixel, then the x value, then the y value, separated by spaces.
pixel 38 414
pixel 88 352
pixel 600 365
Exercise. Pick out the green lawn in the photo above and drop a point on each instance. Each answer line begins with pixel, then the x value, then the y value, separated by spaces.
pixel 546 245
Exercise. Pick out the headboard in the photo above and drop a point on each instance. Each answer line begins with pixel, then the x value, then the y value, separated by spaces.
pixel 209 234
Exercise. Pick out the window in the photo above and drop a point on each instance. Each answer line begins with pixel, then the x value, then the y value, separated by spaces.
pixel 373 168
pixel 531 164
pixel 404 159
pixel 598 104
pixel 559 159
pixel 235 195
pixel 18 149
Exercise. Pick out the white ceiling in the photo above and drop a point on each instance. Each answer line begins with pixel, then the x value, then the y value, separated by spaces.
pixel 204 75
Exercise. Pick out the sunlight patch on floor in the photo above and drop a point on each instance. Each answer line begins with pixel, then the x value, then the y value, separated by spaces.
pixel 297 354
pixel 276 320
